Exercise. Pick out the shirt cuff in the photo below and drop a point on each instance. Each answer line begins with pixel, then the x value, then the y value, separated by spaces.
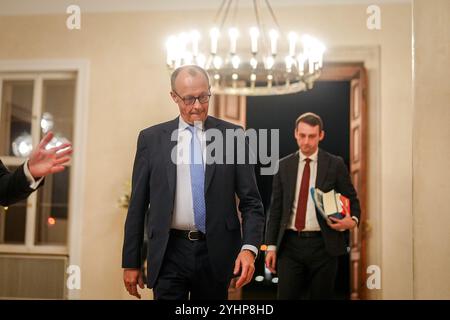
pixel 356 220
pixel 33 183
pixel 271 248
pixel 251 248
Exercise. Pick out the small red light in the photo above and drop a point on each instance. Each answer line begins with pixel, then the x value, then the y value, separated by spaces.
pixel 51 221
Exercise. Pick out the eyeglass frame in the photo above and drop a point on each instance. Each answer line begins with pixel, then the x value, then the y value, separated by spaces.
pixel 195 98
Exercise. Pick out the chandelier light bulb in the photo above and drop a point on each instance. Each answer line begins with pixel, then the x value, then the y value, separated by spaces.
pixel 201 60
pixel 217 62
pixel 235 61
pixel 301 63
pixel 254 34
pixel 171 46
pixel 269 62
pixel 289 61
pixel 307 41
pixel 269 80
pixel 195 37
pixel 214 34
pixel 273 35
pixel 253 62
pixel 183 39
pixel 292 36
pixel 234 34
pixel 187 57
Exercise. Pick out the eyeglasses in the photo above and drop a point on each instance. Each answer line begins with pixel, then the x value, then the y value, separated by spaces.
pixel 190 100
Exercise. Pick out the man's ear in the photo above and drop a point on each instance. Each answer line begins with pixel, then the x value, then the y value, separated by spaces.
pixel 174 96
pixel 322 135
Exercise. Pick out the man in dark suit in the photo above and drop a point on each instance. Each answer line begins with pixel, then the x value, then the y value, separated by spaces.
pixel 302 246
pixel 17 185
pixel 195 243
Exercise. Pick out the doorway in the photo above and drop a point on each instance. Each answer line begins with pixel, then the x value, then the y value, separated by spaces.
pixel 340 98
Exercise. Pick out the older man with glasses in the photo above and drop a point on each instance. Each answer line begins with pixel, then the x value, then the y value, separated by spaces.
pixel 195 244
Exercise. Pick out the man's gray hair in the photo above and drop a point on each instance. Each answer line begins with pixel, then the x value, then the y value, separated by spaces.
pixel 193 71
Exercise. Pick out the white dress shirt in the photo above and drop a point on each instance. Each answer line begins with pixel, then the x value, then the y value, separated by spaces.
pixel 33 183
pixel 183 212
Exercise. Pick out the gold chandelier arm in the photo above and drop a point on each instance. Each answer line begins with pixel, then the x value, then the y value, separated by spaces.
pixel 255 8
pixel 236 6
pixel 224 18
pixel 219 11
pixel 269 7
pixel 261 27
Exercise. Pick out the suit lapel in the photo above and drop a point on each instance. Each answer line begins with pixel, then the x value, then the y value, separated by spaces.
pixel 292 169
pixel 210 123
pixel 322 167
pixel 168 145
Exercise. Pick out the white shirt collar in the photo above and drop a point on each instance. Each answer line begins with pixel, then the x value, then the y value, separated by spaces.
pixel 182 125
pixel 313 157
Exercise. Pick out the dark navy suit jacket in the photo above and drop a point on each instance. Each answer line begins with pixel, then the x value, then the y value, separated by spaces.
pixel 14 186
pixel 153 193
pixel 332 173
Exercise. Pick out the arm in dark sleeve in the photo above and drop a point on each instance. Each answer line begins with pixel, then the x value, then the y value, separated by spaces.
pixel 139 200
pixel 345 186
pixel 250 204
pixel 14 186
pixel 275 211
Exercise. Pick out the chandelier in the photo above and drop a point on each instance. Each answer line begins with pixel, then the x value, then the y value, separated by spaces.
pixel 258 60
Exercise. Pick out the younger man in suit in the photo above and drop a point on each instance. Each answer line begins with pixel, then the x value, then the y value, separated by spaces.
pixel 303 246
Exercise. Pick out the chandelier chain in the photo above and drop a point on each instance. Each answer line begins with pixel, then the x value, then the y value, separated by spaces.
pixel 219 11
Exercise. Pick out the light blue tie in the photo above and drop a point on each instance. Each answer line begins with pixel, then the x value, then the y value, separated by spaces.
pixel 197 181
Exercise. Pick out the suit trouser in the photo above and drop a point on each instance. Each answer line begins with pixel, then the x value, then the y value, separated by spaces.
pixel 305 269
pixel 186 273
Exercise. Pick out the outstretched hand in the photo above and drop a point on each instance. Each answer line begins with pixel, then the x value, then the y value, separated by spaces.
pixel 43 162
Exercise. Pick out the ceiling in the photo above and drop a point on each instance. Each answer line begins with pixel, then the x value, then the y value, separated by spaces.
pixel 25 7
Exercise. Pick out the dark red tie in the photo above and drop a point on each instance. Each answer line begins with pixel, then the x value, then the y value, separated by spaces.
pixel 303 198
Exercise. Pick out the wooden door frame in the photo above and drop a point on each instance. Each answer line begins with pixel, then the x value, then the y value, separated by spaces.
pixel 356 74
pixel 370 58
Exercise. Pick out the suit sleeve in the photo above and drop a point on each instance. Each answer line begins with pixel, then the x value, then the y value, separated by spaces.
pixel 139 201
pixel 250 204
pixel 14 186
pixel 345 186
pixel 275 211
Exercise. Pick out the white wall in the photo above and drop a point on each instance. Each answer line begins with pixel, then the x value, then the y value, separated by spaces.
pixel 431 150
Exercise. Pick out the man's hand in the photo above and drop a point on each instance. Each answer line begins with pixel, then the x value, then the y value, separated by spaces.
pixel 271 260
pixel 43 162
pixel 245 262
pixel 132 277
pixel 342 224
